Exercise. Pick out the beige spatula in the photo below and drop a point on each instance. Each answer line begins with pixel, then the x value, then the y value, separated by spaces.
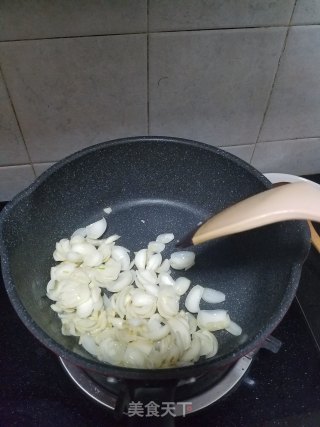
pixel 299 200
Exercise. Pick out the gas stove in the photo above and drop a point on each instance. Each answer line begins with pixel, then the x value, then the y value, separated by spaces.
pixel 260 390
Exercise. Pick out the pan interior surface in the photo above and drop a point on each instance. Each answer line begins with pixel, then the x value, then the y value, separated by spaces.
pixel 154 186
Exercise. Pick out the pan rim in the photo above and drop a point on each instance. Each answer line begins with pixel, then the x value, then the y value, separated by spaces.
pixel 133 373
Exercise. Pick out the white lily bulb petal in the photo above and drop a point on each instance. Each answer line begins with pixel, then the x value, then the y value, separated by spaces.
pixel 142 345
pixel 96 229
pixel 105 249
pixel 180 327
pixel 215 347
pixel 87 342
pixel 192 322
pixel 124 279
pixel 108 271
pixel 83 248
pixel 157 331
pixel 141 259
pixel 111 351
pixel 120 254
pixel 133 358
pixel 192 354
pixel 117 322
pixel 85 309
pixel 82 232
pixel 62 270
pixel 156 247
pixel 164 267
pixel 154 262
pixel 165 279
pixel 74 257
pixel 62 248
pixel 146 277
pixel 81 276
pixel 182 260
pixel 77 239
pixel 93 259
pixel 165 238
pixel 141 298
pixel 212 296
pixel 208 342
pixel 58 256
pixel 63 245
pixel 213 320
pixel 234 328
pixel 181 285
pixel 96 297
pixel 112 238
pixel 121 300
pixel 192 302
pixel 95 242
pixel 145 305
pixel 168 302
pixel 73 294
pixel 135 322
pixel 151 288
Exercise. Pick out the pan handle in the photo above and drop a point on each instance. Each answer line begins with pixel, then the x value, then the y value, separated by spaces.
pixel 151 404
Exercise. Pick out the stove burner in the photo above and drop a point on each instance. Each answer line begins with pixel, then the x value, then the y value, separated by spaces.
pixel 107 395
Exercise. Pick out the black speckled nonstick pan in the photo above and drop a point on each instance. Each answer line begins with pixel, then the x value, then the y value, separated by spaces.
pixel 154 185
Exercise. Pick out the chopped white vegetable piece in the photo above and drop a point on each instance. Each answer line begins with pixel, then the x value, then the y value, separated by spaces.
pixel 212 296
pixel 156 247
pixel 165 238
pixel 192 302
pixel 213 320
pixel 127 312
pixel 234 328
pixel 166 279
pixel 181 285
pixel 141 259
pixel 182 260
pixel 82 232
pixel 120 254
pixel 164 267
pixel 96 230
pixel 154 262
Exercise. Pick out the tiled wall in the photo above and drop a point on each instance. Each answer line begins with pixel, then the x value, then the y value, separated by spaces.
pixel 243 75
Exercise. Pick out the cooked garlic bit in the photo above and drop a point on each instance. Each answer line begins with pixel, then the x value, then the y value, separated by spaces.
pixel 126 310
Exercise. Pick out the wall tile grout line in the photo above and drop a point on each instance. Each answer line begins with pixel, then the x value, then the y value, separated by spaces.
pixel 148 73
pixel 16 117
pixel 274 81
pixel 10 165
pixel 296 138
pixel 161 32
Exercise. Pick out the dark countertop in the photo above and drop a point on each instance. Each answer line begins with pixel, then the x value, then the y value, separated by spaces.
pixel 280 390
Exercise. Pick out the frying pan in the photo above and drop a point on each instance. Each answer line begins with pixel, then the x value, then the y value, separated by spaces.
pixel 154 185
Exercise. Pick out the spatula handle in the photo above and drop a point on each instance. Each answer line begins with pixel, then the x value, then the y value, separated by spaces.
pixel 299 200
